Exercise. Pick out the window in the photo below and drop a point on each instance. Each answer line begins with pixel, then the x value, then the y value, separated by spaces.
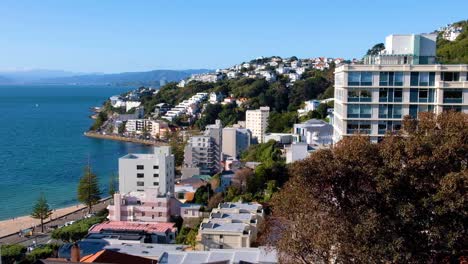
pixel 140 183
pixel 155 175
pixel 142 213
pixel 152 216
pixel 155 167
pixel 365 111
pixel 140 167
pixel 454 96
pixel 388 126
pixel 140 175
pixel 363 127
pixel 390 94
pixel 422 95
pixel 450 76
pixel 355 95
pixel 360 78
pixel 413 111
pixel 391 79
pixel 220 236
pixel 159 214
pixel 155 183
pixel 359 111
pixel 456 108
pixel 422 79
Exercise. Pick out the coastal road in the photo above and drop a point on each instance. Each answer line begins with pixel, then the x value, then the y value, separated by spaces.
pixel 40 239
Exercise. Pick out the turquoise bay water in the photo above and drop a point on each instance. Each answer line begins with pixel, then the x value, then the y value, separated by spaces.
pixel 42 147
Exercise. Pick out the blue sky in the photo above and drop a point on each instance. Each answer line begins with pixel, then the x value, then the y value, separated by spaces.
pixel 116 36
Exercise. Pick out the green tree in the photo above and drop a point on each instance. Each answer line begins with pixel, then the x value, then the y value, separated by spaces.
pixel 399 201
pixel 41 210
pixel 88 189
pixel 77 230
pixel 376 49
pixel 203 194
pixel 12 253
pixel 112 183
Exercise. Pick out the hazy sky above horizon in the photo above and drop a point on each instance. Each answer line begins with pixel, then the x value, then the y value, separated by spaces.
pixel 117 36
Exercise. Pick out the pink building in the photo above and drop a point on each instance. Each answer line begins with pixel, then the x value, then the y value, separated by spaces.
pixel 148 206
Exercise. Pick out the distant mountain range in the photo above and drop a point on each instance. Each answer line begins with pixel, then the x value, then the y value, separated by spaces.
pixel 149 78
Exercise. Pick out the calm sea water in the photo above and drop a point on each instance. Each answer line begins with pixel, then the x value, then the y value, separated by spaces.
pixel 42 147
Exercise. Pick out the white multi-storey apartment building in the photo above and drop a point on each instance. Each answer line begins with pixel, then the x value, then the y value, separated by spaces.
pixel 137 171
pixel 257 121
pixel 373 98
pixel 152 127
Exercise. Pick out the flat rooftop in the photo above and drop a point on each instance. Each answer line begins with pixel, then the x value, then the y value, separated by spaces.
pixel 246 255
pixel 133 227
pixel 224 227
pixel 243 217
pixel 246 206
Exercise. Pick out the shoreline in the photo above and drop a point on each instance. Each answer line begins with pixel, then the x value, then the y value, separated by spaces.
pixel 15 224
pixel 125 139
pixel 11 227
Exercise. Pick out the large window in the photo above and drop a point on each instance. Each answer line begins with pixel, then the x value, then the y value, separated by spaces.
pixel 359 127
pixel 450 76
pixel 415 109
pixel 422 95
pixel 388 126
pixel 453 96
pixel 391 79
pixel 390 95
pixel 139 183
pixel 359 95
pixel 140 167
pixel 140 175
pixel 389 111
pixel 360 78
pixel 359 111
pixel 422 79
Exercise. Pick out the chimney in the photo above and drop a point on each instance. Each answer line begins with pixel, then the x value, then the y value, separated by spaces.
pixel 75 253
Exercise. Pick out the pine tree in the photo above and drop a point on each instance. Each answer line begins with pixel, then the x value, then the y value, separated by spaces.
pixel 88 189
pixel 41 210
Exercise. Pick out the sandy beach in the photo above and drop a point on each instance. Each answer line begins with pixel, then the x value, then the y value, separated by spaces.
pixel 11 226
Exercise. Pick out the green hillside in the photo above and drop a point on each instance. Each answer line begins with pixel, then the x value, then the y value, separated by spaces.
pixel 454 52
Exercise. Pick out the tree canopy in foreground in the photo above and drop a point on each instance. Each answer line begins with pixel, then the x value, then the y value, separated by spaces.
pixel 403 200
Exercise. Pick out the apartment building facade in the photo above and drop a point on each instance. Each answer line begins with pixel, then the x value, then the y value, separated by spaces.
pixel 372 99
pixel 202 154
pixel 138 171
pixel 257 122
pixel 235 140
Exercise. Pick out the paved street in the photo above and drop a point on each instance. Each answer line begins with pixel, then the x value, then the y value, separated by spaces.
pixel 39 238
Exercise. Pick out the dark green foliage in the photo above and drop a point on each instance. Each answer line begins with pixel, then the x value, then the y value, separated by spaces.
pixel 187 235
pixel 177 147
pixel 100 119
pixel 88 189
pixel 454 52
pixel 43 252
pixel 307 89
pixel 41 210
pixel 265 152
pixel 376 49
pixel 209 116
pixel 12 253
pixel 203 194
pixel 281 122
pixel 112 184
pixel 77 230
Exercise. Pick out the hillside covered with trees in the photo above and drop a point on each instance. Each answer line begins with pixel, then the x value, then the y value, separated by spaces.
pixel 283 99
pixel 454 52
